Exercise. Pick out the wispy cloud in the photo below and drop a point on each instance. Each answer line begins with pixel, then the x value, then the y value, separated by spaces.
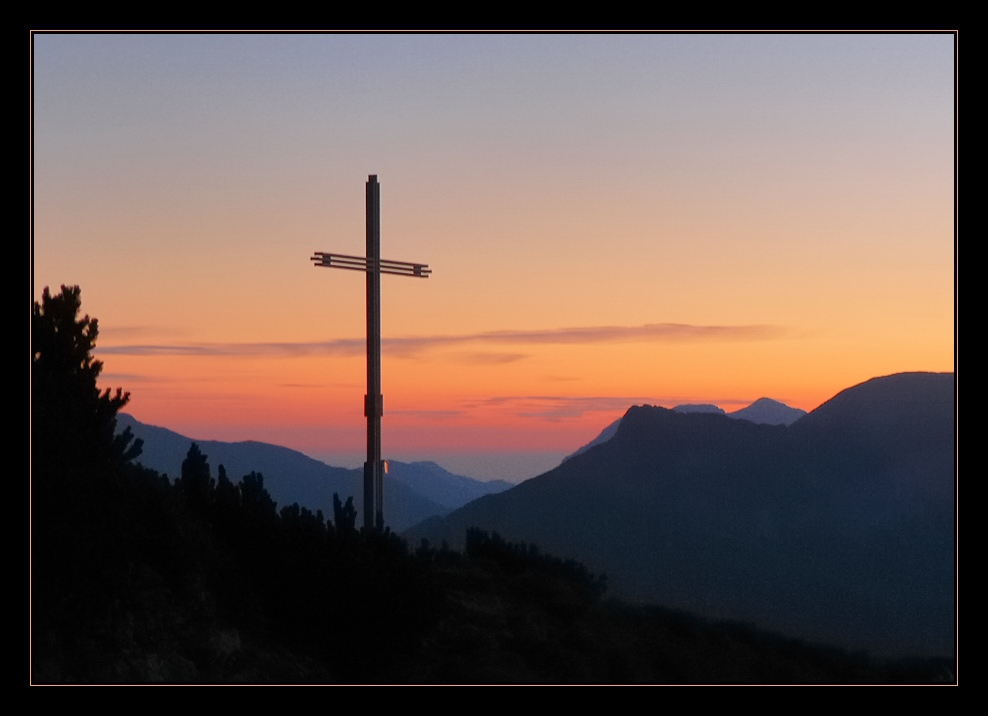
pixel 634 334
pixel 410 346
pixel 128 378
pixel 487 358
pixel 428 415
pixel 560 407
pixel 555 408
pixel 342 347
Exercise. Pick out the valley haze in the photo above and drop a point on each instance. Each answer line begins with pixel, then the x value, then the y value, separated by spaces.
pixel 511 467
pixel 414 490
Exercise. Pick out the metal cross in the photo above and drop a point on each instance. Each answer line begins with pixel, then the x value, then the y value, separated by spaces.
pixel 373 265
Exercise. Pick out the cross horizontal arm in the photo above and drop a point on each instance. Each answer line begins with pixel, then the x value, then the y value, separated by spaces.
pixel 362 263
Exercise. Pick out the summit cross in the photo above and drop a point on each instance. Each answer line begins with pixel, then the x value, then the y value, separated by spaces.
pixel 373 265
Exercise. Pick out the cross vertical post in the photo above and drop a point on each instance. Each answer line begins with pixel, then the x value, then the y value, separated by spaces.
pixel 373 265
pixel 373 400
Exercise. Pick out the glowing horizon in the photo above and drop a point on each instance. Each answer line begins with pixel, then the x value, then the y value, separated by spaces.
pixel 644 218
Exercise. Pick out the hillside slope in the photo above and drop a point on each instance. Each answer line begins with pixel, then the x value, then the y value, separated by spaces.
pixel 839 528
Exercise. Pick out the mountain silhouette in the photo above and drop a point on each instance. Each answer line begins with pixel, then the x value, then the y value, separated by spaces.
pixel 413 492
pixel 441 486
pixel 763 411
pixel 699 408
pixel 839 528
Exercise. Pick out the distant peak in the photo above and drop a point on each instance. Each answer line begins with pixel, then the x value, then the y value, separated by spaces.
pixel 766 411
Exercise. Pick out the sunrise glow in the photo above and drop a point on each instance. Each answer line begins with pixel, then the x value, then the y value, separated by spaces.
pixel 610 219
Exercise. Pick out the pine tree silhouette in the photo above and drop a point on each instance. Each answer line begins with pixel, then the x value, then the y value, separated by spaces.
pixel 73 424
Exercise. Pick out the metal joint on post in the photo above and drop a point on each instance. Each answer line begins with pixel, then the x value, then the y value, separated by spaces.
pixel 376 405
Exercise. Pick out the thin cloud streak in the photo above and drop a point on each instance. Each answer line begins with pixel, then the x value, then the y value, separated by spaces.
pixel 431 415
pixel 414 345
pixel 487 358
pixel 556 408
pixel 115 378
pixel 633 334
pixel 560 407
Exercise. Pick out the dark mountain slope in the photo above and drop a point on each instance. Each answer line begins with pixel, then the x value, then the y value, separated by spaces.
pixel 825 531
pixel 904 423
pixel 763 411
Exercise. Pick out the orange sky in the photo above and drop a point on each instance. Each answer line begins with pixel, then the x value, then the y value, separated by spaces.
pixel 611 219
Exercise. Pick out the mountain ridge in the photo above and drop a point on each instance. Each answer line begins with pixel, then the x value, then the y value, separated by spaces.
pixel 818 532
pixel 763 411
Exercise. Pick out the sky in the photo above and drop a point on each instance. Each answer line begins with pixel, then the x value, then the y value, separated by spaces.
pixel 610 219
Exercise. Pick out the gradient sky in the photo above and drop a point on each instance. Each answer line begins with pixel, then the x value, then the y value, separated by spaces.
pixel 611 220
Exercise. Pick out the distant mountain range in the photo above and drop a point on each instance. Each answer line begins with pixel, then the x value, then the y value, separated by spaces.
pixel 838 528
pixel 413 491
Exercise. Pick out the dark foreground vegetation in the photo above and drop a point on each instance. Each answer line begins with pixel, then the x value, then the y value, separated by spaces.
pixel 140 578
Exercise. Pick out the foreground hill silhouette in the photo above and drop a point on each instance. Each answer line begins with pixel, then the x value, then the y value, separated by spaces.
pixel 839 528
